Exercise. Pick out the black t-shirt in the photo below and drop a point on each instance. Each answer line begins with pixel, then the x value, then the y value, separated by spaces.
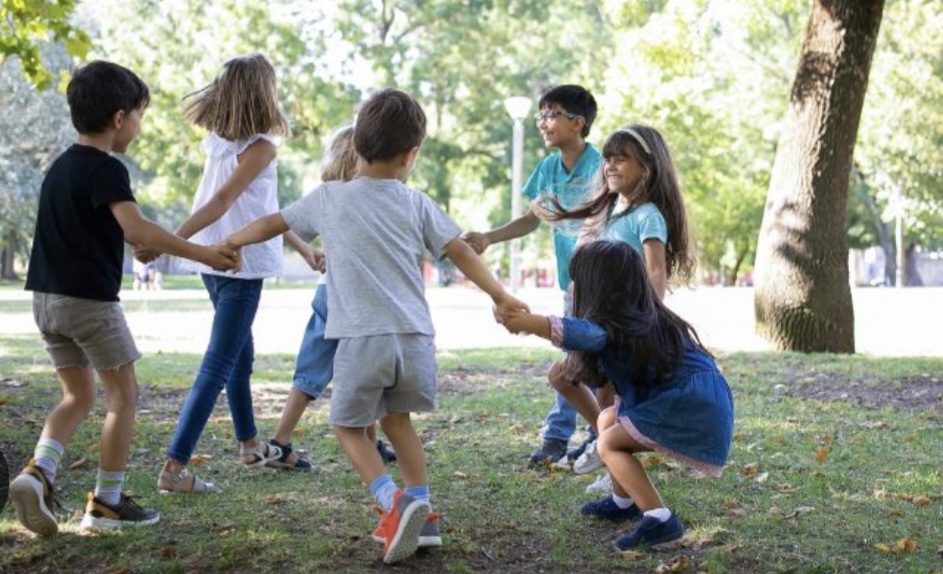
pixel 78 248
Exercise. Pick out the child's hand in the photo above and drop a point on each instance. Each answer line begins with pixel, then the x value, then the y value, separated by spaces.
pixel 542 209
pixel 507 307
pixel 316 260
pixel 143 254
pixel 224 257
pixel 477 241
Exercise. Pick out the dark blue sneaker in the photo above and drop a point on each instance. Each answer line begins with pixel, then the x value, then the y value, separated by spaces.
pixel 651 532
pixel 552 450
pixel 386 452
pixel 574 453
pixel 607 509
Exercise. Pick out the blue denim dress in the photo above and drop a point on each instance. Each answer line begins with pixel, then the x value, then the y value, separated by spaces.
pixel 689 417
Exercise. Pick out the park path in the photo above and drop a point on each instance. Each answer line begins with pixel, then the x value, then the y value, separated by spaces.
pixel 888 322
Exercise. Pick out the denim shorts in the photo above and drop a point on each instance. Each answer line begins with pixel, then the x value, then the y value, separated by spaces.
pixel 381 374
pixel 83 332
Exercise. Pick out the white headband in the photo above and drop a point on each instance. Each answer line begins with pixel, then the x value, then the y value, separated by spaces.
pixel 635 135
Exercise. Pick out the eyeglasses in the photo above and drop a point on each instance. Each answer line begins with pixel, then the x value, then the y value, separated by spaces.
pixel 552 115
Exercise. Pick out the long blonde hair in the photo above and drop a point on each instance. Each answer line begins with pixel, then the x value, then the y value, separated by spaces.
pixel 340 159
pixel 242 101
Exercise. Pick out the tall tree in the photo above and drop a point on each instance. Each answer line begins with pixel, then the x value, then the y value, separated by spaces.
pixel 26 25
pixel 802 298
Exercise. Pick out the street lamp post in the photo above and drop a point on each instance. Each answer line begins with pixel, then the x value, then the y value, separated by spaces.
pixel 517 108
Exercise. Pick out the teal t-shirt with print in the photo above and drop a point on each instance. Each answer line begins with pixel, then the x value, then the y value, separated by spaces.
pixel 571 189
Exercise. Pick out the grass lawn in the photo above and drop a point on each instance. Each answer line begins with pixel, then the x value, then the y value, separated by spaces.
pixel 835 468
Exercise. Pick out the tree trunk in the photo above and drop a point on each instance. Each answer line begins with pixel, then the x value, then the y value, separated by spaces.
pixel 802 296
pixel 6 257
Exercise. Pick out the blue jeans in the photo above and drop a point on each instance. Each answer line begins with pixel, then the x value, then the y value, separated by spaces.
pixel 226 364
pixel 560 423
pixel 314 366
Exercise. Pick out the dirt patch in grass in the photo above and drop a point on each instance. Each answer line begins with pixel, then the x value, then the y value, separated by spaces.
pixel 911 394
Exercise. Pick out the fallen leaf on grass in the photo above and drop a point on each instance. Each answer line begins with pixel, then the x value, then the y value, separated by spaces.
pixel 169 552
pixel 652 461
pixel 632 555
pixel 899 547
pixel 78 464
pixel 276 499
pixel 921 501
pixel 679 565
pixel 465 476
pixel 784 488
pixel 750 469
pixel 799 510
pixel 821 454
pixel 200 458
pixel 776 511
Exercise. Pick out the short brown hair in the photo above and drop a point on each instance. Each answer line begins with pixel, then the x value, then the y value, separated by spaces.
pixel 389 123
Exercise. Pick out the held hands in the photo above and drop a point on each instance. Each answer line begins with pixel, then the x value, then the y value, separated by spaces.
pixel 316 260
pixel 223 257
pixel 477 241
pixel 507 308
pixel 143 254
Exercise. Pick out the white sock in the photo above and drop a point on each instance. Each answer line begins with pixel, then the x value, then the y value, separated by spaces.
pixel 662 514
pixel 46 457
pixel 621 502
pixel 108 486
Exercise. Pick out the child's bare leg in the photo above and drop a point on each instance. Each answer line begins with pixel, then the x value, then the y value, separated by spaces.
pixel 629 479
pixel 78 398
pixel 372 433
pixel 411 455
pixel 580 396
pixel 361 451
pixel 121 393
pixel 291 414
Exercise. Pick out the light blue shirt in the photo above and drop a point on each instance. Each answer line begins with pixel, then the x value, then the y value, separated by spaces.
pixel 571 189
pixel 636 226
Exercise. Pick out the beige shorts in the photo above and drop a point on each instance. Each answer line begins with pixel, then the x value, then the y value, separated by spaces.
pixel 381 374
pixel 84 332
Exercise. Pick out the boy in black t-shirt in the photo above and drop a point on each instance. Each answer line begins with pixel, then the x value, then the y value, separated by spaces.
pixel 86 213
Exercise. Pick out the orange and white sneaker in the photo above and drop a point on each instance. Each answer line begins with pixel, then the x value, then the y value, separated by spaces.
pixel 429 536
pixel 34 499
pixel 400 527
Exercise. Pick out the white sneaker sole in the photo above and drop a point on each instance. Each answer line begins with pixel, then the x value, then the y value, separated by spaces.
pixel 93 524
pixel 406 540
pixel 26 493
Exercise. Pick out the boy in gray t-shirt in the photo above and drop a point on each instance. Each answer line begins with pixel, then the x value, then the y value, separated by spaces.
pixel 375 231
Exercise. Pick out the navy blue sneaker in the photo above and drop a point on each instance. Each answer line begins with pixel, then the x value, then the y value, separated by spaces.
pixel 607 509
pixel 552 450
pixel 386 452
pixel 651 532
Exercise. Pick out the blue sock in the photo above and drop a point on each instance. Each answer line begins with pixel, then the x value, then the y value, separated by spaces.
pixel 418 492
pixel 383 490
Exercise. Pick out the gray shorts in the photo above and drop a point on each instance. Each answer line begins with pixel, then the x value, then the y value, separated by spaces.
pixel 83 332
pixel 381 374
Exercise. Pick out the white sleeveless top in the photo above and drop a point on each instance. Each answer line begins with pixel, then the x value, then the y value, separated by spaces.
pixel 260 198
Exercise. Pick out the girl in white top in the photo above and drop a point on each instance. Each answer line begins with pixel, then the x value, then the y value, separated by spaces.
pixel 239 185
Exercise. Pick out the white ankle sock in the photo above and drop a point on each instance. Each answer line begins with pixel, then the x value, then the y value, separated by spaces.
pixel 662 514
pixel 46 457
pixel 108 486
pixel 621 502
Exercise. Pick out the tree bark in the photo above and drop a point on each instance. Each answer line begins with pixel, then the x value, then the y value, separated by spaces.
pixel 7 253
pixel 802 294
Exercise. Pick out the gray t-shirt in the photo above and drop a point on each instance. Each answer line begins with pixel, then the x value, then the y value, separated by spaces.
pixel 374 233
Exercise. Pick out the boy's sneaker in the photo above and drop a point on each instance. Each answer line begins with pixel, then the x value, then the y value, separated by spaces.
pixel 429 536
pixel 588 461
pixel 574 453
pixel 386 452
pixel 101 516
pixel 552 450
pixel 651 532
pixel 281 461
pixel 400 527
pixel 35 501
pixel 607 509
pixel 603 484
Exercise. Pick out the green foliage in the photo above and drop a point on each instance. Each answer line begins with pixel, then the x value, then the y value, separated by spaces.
pixel 25 25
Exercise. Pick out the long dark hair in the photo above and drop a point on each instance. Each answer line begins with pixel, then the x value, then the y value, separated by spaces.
pixel 611 288
pixel 660 186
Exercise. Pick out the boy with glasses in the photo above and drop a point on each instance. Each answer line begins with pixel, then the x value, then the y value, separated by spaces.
pixel 566 114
